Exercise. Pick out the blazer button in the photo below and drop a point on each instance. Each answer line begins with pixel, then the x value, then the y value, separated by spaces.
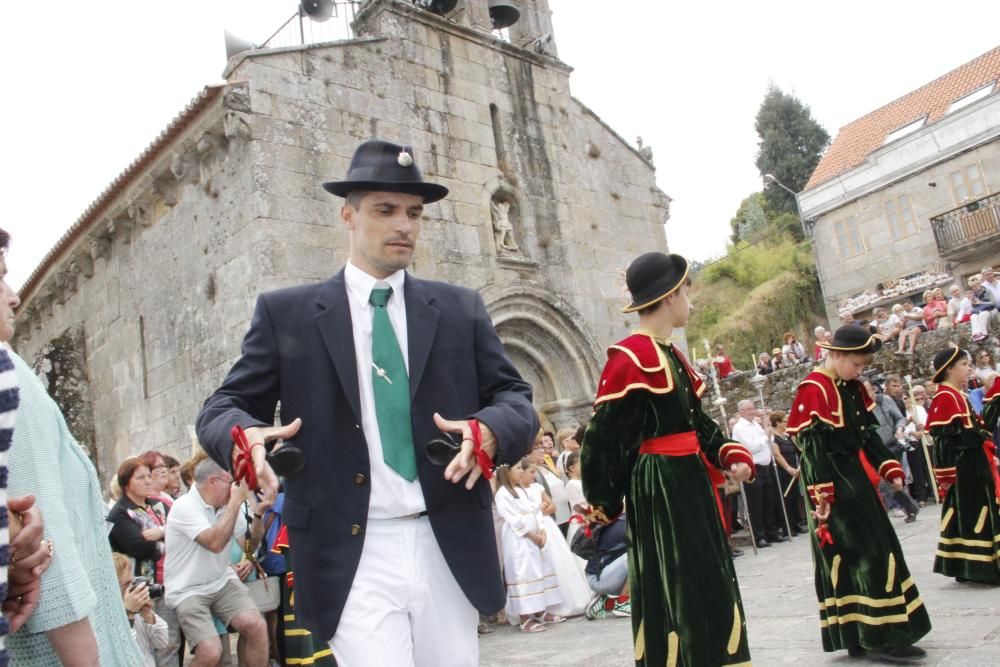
pixel 355 529
pixel 360 479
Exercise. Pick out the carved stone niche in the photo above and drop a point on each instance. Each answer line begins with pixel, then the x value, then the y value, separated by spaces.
pixel 506 217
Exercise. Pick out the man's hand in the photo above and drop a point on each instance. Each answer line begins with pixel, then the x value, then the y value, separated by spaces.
pixel 897 483
pixel 822 511
pixel 260 435
pixel 238 494
pixel 243 569
pixel 740 472
pixel 24 576
pixel 464 462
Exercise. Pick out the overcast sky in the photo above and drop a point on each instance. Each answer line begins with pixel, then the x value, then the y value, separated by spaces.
pixel 88 85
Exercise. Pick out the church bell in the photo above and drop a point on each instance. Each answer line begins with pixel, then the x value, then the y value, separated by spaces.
pixel 503 14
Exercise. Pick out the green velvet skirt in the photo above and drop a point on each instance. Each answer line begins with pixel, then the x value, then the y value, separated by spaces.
pixel 969 545
pixel 866 595
pixel 686 607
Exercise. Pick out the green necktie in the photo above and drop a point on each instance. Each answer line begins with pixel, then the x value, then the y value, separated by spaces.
pixel 391 387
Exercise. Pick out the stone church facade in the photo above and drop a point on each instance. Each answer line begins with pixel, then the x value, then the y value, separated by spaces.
pixel 135 316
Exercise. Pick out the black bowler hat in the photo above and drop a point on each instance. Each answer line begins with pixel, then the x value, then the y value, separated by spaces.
pixel 652 277
pixel 852 338
pixel 944 360
pixel 380 166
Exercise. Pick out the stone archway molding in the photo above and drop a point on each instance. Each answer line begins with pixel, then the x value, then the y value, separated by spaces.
pixel 550 332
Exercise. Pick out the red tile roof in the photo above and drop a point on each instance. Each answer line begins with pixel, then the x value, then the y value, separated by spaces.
pixel 99 206
pixel 857 139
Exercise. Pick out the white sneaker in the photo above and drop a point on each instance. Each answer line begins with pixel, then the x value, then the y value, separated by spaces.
pixel 898 513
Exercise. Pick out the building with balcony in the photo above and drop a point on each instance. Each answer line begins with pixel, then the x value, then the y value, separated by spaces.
pixel 908 196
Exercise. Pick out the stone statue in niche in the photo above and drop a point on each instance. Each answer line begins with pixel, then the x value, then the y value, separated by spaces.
pixel 503 231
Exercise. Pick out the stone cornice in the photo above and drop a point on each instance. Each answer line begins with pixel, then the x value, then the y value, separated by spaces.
pixel 136 199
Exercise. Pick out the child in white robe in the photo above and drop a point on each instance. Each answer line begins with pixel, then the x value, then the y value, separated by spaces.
pixel 531 582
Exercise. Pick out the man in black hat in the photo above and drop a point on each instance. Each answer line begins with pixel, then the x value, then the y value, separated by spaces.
pixel 393 555
pixel 650 441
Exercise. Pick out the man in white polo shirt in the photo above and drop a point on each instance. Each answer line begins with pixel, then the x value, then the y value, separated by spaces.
pixel 198 581
pixel 763 494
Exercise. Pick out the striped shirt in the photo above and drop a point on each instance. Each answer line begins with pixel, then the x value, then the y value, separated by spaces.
pixel 9 397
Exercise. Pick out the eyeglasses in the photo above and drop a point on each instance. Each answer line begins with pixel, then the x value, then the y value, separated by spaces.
pixel 159 469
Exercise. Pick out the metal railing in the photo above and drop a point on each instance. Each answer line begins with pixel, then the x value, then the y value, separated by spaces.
pixel 969 224
pixel 300 29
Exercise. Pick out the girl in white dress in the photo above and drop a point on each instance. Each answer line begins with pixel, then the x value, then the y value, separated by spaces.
pixel 573 586
pixel 532 586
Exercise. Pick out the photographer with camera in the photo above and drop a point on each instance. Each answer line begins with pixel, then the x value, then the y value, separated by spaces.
pixel 150 631
pixel 138 530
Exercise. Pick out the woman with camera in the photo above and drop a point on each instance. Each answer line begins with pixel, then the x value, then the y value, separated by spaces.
pixel 138 527
pixel 149 630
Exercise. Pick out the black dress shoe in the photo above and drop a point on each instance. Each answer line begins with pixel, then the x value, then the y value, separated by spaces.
pixel 761 543
pixel 855 651
pixel 777 538
pixel 801 530
pixel 735 553
pixel 899 654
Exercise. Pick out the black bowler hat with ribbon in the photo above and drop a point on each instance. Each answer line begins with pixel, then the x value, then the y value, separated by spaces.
pixel 380 166
pixel 653 277
pixel 853 338
pixel 945 359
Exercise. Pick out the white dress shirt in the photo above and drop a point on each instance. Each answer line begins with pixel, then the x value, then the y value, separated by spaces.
pixel 391 495
pixel 753 437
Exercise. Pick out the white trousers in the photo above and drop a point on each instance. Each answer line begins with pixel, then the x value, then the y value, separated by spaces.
pixel 405 608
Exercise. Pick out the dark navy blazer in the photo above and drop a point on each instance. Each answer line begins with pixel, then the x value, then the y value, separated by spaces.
pixel 299 350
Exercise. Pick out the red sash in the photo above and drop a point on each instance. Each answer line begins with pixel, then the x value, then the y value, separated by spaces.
pixel 990 449
pixel 686 444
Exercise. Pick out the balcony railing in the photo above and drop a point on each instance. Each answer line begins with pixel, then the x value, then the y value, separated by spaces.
pixel 959 230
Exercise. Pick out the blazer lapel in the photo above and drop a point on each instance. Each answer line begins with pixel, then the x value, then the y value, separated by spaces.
pixel 334 322
pixel 421 327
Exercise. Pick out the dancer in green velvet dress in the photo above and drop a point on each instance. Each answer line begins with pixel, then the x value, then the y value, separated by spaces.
pixel 991 406
pixel 868 602
pixel 650 446
pixel 964 464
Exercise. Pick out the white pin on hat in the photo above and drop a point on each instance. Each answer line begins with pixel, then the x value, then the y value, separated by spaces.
pixel 404 159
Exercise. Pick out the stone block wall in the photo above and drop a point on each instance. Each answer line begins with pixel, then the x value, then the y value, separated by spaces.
pixel 233 205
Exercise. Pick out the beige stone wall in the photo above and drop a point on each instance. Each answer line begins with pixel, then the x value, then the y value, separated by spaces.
pixel 163 314
pixel 885 259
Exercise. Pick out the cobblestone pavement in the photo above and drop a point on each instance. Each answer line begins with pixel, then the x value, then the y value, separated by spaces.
pixel 782 619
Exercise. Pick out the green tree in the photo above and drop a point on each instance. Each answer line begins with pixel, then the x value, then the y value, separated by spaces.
pixel 750 219
pixel 791 143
